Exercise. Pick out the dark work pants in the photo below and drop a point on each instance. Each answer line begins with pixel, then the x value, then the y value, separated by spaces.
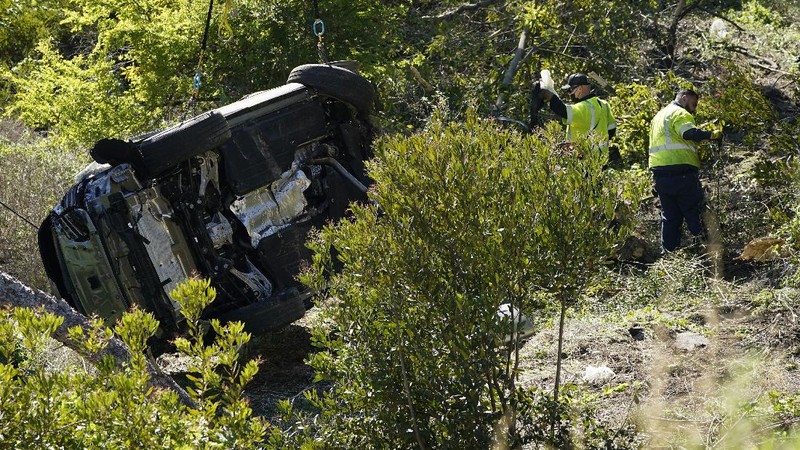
pixel 681 198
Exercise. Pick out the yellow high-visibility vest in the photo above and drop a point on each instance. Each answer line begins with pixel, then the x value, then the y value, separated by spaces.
pixel 667 145
pixel 592 115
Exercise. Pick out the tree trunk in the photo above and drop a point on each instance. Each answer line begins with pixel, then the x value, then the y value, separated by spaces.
pixel 673 30
pixel 557 384
pixel 15 294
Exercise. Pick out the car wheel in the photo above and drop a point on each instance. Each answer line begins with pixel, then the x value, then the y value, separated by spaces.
pixel 337 82
pixel 163 150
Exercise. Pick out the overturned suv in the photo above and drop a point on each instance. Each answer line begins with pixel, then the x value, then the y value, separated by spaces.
pixel 229 195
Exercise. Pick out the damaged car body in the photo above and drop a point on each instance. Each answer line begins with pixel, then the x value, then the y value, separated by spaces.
pixel 229 195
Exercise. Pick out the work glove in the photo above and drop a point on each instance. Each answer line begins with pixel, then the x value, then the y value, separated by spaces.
pixel 546 82
pixel 716 134
pixel 542 93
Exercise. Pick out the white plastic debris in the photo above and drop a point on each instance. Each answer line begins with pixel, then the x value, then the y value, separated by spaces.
pixel 718 30
pixel 597 374
pixel 523 325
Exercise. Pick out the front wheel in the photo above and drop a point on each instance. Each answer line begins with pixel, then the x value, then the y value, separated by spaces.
pixel 337 82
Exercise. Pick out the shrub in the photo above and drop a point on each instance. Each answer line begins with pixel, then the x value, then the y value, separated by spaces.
pixel 736 100
pixel 469 218
pixel 113 407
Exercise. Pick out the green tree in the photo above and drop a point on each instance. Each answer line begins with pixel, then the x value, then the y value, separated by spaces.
pixel 25 23
pixel 470 218
pixel 135 64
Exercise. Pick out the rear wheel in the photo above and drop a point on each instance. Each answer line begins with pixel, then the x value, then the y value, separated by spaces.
pixel 337 82
pixel 162 151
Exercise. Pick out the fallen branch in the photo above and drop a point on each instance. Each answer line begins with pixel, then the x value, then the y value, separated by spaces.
pixel 756 63
pixel 712 13
pixel 512 69
pixel 422 81
pixel 15 294
pixel 460 9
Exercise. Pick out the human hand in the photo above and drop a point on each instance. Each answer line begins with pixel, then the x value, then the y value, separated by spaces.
pixel 541 93
pixel 716 134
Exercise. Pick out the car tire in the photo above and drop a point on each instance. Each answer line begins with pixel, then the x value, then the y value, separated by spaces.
pixel 162 151
pixel 337 82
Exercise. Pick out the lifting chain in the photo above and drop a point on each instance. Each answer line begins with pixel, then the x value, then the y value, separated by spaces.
pixel 319 31
pixel 197 81
pixel 225 32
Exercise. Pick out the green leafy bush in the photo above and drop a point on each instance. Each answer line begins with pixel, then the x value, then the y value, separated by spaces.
pixel 759 12
pixel 113 407
pixel 737 101
pixel 576 426
pixel 126 68
pixel 635 105
pixel 25 23
pixel 470 218
pixel 136 62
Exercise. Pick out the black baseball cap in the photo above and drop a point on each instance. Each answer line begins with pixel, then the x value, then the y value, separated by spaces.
pixel 575 80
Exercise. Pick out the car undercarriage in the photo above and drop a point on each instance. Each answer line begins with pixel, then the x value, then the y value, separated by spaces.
pixel 229 195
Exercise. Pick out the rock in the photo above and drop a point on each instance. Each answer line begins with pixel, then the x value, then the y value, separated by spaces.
pixel 690 341
pixel 597 374
pixel 174 363
pixel 16 295
pixel 637 333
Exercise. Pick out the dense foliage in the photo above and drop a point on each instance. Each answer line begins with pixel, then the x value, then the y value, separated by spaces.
pixel 129 66
pixel 33 174
pixel 90 70
pixel 108 406
pixel 467 216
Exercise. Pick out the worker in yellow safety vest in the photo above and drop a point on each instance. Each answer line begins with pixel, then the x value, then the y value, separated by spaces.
pixel 675 165
pixel 588 116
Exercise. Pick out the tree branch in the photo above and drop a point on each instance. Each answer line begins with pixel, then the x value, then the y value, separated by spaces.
pixel 512 69
pixel 463 7
pixel 712 13
pixel 673 29
pixel 15 294
pixel 422 81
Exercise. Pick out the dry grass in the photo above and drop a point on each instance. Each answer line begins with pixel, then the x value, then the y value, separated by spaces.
pixel 32 179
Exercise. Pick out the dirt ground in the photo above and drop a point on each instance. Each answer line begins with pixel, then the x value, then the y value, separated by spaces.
pixel 283 373
pixel 673 394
